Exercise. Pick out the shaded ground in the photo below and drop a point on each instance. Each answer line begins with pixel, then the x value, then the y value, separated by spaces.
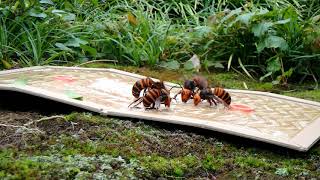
pixel 42 139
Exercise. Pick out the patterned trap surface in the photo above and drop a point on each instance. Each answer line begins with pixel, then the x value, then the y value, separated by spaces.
pixel 284 121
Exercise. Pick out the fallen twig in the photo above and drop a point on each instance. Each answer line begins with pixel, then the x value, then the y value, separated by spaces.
pixel 25 126
pixel 10 125
pixel 44 119
pixel 22 128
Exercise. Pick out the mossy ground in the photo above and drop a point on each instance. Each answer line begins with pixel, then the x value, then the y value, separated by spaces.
pixel 81 145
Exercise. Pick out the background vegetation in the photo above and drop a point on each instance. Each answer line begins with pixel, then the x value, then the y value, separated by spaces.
pixel 271 40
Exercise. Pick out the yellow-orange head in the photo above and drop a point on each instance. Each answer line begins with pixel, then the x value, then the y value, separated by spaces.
pixel 185 95
pixel 196 99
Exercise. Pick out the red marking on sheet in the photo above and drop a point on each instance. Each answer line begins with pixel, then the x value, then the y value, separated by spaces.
pixel 64 78
pixel 241 107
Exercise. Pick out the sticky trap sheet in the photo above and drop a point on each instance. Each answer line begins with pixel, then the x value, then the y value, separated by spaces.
pixel 284 121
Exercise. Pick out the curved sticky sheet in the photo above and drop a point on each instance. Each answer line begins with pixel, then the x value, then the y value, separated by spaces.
pixel 285 121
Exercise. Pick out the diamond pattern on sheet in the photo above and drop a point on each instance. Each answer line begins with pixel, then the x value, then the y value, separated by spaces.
pixel 272 116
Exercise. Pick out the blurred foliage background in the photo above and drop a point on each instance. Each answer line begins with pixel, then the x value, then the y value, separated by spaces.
pixel 276 41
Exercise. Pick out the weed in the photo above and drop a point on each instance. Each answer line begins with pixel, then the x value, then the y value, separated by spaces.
pixel 266 40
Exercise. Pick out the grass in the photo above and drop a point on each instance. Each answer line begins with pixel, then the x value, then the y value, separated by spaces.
pixel 313 95
pixel 275 41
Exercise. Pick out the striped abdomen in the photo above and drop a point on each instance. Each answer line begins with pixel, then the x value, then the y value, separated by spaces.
pixel 141 85
pixel 222 94
pixel 151 97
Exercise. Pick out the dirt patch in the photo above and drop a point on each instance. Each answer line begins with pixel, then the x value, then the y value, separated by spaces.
pixel 18 117
pixel 12 130
pixel 22 122
pixel 18 129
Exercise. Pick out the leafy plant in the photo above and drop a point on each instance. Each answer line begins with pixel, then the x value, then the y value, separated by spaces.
pixel 269 40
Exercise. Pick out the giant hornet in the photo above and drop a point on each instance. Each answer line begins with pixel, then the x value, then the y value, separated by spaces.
pixel 189 86
pixel 154 98
pixel 213 95
pixel 145 84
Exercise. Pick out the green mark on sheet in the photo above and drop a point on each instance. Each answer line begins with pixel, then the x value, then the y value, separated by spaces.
pixel 20 82
pixel 73 95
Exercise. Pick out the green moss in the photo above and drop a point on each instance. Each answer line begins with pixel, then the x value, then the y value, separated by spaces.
pixel 12 168
pixel 84 117
pixel 68 145
pixel 212 163
pixel 156 164
pixel 252 162
pixel 178 167
pixel 57 166
pixel 313 95
pixel 183 165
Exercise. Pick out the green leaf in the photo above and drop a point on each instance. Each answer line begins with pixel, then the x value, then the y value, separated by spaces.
pixel 244 69
pixel 262 12
pixel 171 65
pixel 217 65
pixel 229 61
pixel 201 31
pixel 276 42
pixel 273 65
pixel 57 11
pixel 73 95
pixel 68 6
pixel 275 82
pixel 260 29
pixel 273 42
pixel 95 2
pixel 14 7
pixel 46 2
pixel 245 18
pixel 232 13
pixel 188 65
pixel 315 19
pixel 37 13
pixel 26 4
pixel 6 64
pixel 288 73
pixel 265 76
pixel 285 21
pixel 75 42
pixel 208 64
pixel 89 49
pixel 62 47
pixel 261 45
pixel 66 16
